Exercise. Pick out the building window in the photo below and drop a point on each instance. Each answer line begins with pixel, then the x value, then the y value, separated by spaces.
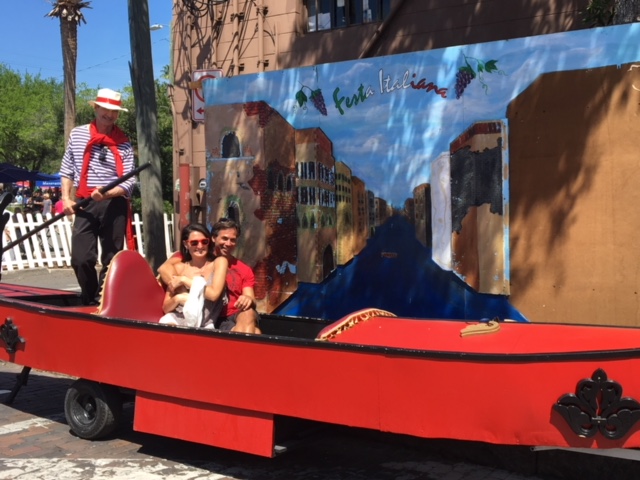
pixel 328 14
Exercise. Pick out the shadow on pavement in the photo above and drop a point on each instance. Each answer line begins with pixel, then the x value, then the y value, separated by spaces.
pixel 329 452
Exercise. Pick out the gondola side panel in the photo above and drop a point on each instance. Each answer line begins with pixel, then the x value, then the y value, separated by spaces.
pixel 399 375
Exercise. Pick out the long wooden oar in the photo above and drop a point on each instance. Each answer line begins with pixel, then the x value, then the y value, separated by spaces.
pixel 82 203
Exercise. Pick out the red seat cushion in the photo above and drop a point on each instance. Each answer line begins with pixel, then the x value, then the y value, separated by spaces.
pixel 131 290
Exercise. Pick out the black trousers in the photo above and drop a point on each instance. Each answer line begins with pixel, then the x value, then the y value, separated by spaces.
pixel 105 221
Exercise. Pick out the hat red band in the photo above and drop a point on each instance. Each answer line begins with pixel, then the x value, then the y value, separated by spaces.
pixel 117 103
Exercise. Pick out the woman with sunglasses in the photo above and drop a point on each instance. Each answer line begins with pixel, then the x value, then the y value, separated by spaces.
pixel 197 261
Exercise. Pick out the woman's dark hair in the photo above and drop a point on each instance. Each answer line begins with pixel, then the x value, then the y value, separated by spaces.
pixel 184 236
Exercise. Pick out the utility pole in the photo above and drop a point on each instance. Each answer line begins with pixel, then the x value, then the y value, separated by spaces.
pixel 144 93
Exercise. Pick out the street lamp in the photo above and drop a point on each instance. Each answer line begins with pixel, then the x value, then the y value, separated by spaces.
pixel 154 27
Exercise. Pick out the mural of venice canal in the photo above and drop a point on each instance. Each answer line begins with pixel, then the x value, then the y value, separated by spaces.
pixel 383 182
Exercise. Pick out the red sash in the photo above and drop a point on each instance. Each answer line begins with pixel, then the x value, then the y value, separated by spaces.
pixel 112 141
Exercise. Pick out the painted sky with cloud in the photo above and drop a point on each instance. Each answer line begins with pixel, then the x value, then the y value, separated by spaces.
pixel 390 139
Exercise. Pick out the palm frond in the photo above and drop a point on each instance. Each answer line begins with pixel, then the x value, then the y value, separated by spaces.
pixel 71 10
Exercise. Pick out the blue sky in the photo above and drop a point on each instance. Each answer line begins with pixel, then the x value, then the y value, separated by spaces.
pixel 390 138
pixel 31 41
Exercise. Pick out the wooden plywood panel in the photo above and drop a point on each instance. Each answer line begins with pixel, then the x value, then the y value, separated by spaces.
pixel 574 196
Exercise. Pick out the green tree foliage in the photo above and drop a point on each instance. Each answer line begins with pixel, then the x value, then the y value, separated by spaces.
pixel 599 13
pixel 84 112
pixel 31 121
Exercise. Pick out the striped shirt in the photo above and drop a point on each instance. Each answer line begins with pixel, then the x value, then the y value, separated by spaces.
pixel 100 173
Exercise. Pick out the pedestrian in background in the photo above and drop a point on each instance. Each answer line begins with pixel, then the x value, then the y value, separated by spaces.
pixel 46 204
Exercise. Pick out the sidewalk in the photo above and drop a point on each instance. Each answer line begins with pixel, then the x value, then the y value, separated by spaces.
pixel 60 278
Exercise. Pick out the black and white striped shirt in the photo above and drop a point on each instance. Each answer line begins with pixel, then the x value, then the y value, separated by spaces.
pixel 100 172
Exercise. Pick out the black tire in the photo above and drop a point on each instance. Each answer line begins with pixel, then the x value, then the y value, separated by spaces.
pixel 93 410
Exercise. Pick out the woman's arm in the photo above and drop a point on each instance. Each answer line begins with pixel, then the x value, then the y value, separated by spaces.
pixel 218 270
pixel 171 301
pixel 175 293
pixel 181 281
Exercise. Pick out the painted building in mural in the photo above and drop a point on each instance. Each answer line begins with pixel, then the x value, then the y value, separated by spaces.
pixel 441 210
pixel 344 214
pixel 471 182
pixel 360 214
pixel 422 213
pixel 251 167
pixel 317 232
pixel 478 176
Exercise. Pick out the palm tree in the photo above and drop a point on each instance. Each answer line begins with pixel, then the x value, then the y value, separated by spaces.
pixel 70 14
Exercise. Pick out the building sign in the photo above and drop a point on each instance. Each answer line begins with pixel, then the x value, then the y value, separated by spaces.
pixel 197 97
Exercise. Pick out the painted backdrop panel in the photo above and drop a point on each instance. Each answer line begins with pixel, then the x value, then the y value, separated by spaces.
pixel 389 182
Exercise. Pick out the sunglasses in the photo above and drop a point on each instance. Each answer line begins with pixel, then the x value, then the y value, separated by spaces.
pixel 194 243
pixel 103 153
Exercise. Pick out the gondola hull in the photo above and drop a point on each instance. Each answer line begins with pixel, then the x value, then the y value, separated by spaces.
pixel 517 384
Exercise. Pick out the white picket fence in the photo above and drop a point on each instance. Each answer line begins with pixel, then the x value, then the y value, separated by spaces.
pixel 51 247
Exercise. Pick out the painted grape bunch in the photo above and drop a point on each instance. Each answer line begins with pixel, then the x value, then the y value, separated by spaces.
pixel 467 73
pixel 316 97
pixel 463 79
pixel 318 101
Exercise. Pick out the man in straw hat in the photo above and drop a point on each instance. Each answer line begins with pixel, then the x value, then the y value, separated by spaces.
pixel 97 154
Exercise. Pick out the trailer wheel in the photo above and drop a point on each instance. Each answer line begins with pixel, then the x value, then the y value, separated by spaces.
pixel 93 410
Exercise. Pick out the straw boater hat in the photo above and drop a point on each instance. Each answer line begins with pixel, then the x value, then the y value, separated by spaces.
pixel 108 99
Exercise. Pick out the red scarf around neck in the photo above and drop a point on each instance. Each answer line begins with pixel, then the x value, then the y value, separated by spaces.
pixel 112 141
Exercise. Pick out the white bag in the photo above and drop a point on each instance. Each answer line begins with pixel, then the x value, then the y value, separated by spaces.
pixel 195 303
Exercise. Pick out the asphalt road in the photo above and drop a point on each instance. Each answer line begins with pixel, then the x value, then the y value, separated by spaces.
pixel 36 444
